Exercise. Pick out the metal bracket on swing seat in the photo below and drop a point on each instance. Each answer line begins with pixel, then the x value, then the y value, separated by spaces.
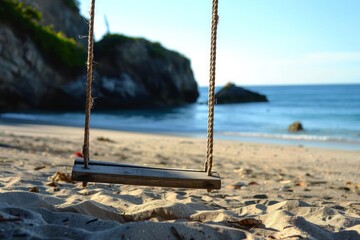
pixel 107 172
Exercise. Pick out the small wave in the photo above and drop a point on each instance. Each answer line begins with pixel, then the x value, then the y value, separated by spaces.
pixel 56 119
pixel 19 116
pixel 291 137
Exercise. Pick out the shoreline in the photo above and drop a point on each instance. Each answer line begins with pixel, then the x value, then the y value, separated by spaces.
pixel 247 138
pixel 325 144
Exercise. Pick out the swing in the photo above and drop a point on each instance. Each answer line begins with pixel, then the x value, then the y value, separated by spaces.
pixel 106 172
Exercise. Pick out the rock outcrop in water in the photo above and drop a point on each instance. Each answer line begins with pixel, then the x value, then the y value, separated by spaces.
pixel 295 127
pixel 231 93
pixel 40 69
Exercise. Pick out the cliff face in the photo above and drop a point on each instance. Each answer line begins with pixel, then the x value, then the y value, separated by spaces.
pixel 133 70
pixel 129 72
pixel 24 75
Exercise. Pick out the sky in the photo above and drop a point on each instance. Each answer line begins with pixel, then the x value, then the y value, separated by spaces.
pixel 260 42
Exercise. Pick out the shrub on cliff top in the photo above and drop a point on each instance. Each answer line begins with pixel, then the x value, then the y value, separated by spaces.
pixel 105 46
pixel 72 4
pixel 61 51
pixel 156 50
pixel 108 43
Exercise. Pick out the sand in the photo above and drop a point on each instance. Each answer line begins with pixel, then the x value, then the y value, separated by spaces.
pixel 268 191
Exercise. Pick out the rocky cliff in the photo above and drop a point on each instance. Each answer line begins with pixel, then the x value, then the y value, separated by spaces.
pixel 42 69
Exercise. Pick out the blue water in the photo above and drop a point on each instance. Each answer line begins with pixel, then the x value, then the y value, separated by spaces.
pixel 330 115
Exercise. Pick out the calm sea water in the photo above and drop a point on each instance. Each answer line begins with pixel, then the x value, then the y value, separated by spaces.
pixel 330 115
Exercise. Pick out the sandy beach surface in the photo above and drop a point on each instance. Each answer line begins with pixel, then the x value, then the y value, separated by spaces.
pixel 268 191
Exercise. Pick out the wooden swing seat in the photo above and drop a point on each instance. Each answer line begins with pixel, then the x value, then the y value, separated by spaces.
pixel 107 172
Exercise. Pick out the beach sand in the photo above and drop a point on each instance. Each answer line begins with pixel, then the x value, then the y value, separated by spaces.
pixel 268 191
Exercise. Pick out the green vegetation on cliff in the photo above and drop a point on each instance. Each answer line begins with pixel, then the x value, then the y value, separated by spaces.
pixel 64 53
pixel 72 4
pixel 109 42
pixel 156 50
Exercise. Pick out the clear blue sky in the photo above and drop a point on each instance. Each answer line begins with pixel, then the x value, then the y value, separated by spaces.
pixel 262 42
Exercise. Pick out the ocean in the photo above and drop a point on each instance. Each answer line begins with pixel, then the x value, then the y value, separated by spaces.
pixel 330 115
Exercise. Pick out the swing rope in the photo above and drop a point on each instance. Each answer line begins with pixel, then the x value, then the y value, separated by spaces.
pixel 89 99
pixel 211 102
